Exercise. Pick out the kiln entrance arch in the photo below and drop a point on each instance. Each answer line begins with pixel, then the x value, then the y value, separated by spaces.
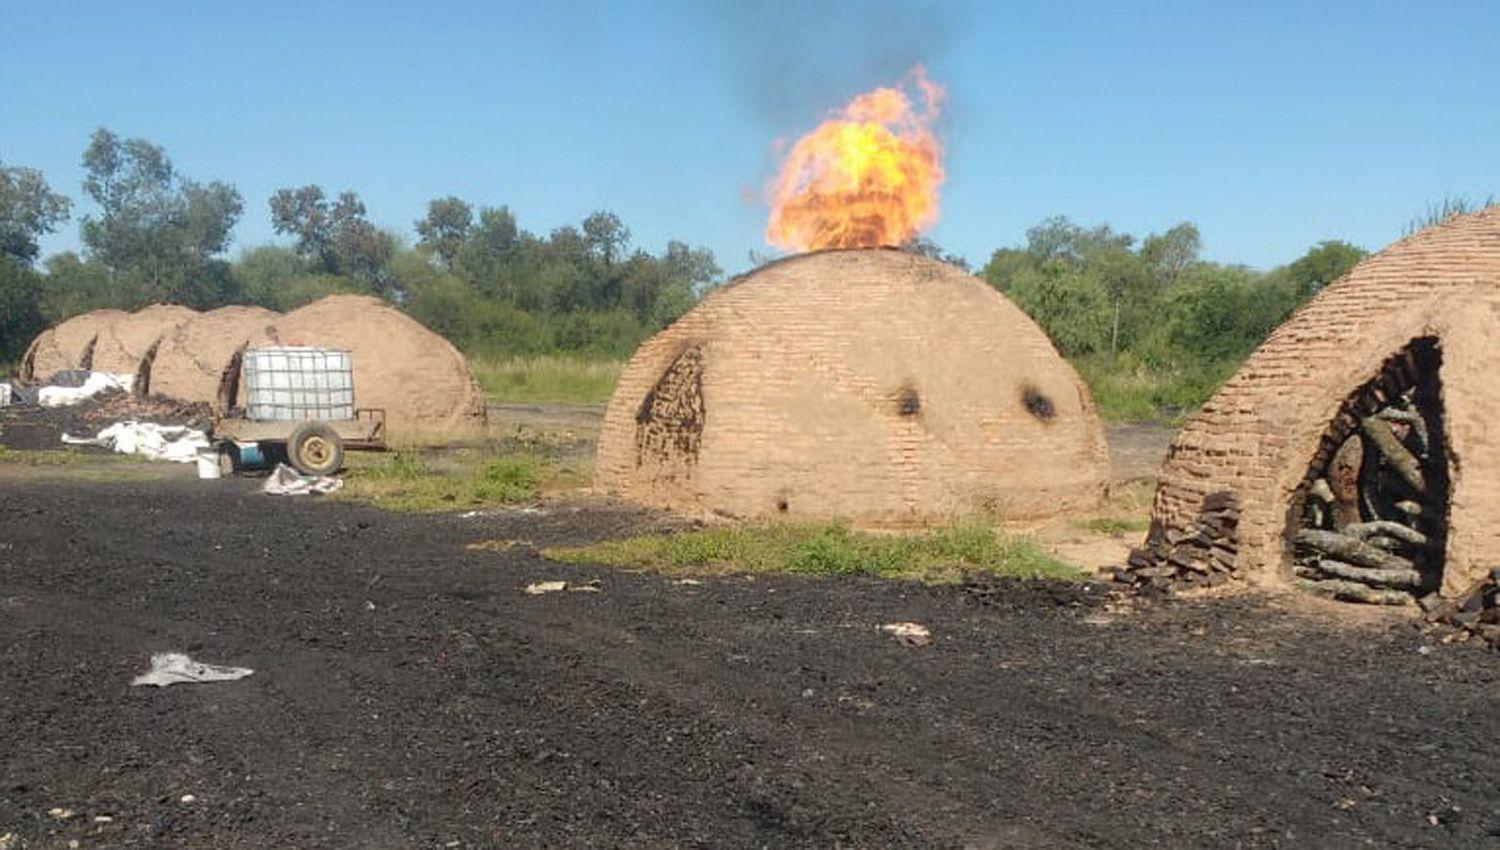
pixel 1369 522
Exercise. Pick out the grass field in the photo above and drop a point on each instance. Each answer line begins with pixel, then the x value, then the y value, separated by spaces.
pixel 546 379
pixel 1124 392
pixel 943 554
pixel 408 481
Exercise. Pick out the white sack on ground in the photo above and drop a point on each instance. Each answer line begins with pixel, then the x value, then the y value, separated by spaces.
pixel 96 383
pixel 286 481
pixel 174 668
pixel 176 443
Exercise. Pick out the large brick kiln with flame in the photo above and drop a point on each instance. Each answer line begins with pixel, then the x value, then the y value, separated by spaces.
pixel 873 385
pixel 1355 453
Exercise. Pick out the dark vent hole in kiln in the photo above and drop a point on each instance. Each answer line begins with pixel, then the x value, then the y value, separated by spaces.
pixel 1037 403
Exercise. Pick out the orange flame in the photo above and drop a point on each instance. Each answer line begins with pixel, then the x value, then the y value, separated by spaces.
pixel 864 178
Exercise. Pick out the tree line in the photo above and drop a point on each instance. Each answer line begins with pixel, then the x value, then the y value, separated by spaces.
pixel 1114 304
pixel 472 273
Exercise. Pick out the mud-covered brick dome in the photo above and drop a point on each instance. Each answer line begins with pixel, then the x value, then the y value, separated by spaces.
pixel 67 345
pixel 126 343
pixel 1433 297
pixel 423 383
pixel 873 385
pixel 194 360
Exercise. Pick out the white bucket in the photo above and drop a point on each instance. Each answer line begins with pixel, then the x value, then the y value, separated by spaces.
pixel 208 463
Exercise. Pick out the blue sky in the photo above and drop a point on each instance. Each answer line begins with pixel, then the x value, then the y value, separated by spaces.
pixel 1273 125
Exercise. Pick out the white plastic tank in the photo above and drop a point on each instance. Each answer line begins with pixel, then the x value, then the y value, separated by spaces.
pixel 295 382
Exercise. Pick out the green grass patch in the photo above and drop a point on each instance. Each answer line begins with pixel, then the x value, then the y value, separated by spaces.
pixel 65 457
pixel 1127 390
pixel 1115 525
pixel 943 554
pixel 546 379
pixel 405 481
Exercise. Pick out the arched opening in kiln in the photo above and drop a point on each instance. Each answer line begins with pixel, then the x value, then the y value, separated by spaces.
pixel 86 360
pixel 229 381
pixel 669 422
pixel 142 385
pixel 1369 522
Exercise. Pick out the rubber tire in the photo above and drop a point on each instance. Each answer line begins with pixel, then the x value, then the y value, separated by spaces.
pixel 315 449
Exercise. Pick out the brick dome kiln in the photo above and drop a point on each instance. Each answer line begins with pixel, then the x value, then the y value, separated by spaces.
pixel 1358 442
pixel 68 345
pixel 872 385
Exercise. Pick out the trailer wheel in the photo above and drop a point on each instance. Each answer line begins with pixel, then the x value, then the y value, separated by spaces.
pixel 315 449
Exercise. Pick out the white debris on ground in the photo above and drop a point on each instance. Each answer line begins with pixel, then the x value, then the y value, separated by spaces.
pixel 908 634
pixel 174 668
pixel 537 588
pixel 176 443
pixel 286 481
pixel 95 383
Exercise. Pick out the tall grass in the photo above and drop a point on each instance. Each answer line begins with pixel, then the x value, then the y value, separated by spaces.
pixel 546 379
pixel 828 549
pixel 1129 391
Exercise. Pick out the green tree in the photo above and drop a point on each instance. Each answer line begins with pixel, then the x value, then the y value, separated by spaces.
pixel 445 228
pixel 606 237
pixel 489 255
pixel 1323 264
pixel 1170 254
pixel 279 279
pixel 928 248
pixel 20 308
pixel 158 235
pixel 336 238
pixel 29 209
pixel 74 285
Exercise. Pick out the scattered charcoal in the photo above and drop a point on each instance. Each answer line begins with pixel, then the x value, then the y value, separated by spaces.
pixel 1476 611
pixel 32 427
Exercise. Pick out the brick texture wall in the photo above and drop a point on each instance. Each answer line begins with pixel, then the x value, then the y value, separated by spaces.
pixel 876 386
pixel 1258 435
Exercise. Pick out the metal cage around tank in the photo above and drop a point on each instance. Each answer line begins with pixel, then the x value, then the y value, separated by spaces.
pixel 293 383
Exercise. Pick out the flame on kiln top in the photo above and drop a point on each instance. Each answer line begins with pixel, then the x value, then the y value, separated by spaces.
pixel 867 177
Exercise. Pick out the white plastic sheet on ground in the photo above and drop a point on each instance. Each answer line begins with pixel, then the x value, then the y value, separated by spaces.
pixel 908 634
pixel 286 481
pixel 174 668
pixel 177 443
pixel 96 383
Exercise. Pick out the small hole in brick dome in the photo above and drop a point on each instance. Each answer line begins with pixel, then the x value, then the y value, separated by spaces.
pixel 909 403
pixel 1037 404
pixel 1370 521
pixel 782 505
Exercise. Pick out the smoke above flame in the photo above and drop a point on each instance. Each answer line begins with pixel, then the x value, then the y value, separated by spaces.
pixel 867 177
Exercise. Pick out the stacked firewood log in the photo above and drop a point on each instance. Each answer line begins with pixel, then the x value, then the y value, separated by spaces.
pixel 1373 504
pixel 1200 555
pixel 1477 611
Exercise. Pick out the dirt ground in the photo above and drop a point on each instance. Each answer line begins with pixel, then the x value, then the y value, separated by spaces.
pixel 408 693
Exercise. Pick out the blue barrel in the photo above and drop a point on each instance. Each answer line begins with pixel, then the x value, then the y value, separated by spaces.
pixel 249 456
